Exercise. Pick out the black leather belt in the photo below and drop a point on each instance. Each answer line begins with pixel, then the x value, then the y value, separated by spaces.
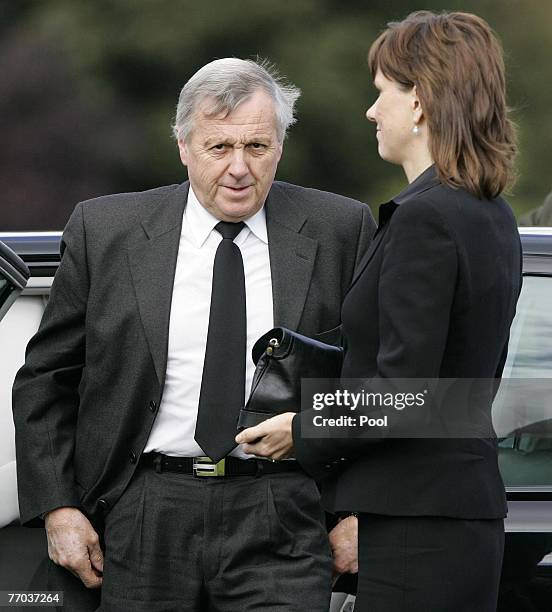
pixel 203 467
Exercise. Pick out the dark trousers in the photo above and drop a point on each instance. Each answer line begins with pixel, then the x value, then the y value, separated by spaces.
pixel 234 544
pixel 428 564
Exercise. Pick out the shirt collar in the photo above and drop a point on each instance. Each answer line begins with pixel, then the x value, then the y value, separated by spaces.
pixel 425 181
pixel 201 222
pixel 257 225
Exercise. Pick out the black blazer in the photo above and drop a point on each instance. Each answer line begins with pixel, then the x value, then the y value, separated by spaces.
pixel 86 398
pixel 433 297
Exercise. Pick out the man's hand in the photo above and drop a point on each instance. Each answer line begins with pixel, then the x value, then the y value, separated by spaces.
pixel 74 544
pixel 344 545
pixel 271 438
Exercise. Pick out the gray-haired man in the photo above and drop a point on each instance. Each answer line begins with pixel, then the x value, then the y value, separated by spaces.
pixel 140 366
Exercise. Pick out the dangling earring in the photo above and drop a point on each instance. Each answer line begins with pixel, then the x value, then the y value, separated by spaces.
pixel 415 129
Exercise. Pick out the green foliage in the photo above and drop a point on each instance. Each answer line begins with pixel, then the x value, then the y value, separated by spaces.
pixel 131 57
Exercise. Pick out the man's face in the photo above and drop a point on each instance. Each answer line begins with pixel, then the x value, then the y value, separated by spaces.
pixel 232 159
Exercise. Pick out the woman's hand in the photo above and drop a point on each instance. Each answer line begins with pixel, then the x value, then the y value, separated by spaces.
pixel 271 438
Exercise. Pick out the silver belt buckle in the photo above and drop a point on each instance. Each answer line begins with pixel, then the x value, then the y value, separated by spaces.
pixel 204 466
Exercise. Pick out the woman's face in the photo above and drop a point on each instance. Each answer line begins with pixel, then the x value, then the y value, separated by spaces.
pixel 395 112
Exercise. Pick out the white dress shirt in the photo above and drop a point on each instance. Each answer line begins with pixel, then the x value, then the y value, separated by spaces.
pixel 174 427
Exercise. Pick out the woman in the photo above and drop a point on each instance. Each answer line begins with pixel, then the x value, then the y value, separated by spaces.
pixel 433 298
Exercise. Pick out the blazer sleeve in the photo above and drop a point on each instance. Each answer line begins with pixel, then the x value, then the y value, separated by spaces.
pixel 46 389
pixel 416 289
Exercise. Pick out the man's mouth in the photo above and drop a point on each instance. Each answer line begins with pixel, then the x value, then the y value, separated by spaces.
pixel 237 188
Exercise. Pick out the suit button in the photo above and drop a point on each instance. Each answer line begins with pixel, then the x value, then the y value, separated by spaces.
pixel 132 456
pixel 153 405
pixel 103 504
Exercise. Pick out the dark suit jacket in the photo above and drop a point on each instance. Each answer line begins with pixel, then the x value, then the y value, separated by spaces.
pixel 433 297
pixel 86 398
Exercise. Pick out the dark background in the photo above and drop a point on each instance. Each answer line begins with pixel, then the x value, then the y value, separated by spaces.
pixel 88 92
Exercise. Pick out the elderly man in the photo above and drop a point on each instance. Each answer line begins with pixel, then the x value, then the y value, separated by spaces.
pixel 127 404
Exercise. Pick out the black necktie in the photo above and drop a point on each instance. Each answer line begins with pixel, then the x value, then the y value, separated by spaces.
pixel 222 392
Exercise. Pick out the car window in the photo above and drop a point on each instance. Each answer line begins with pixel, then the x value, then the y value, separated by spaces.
pixel 522 411
pixel 530 354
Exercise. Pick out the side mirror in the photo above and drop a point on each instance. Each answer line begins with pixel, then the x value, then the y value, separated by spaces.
pixel 14 275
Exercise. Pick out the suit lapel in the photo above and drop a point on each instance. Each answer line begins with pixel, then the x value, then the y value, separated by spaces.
pixel 385 213
pixel 152 254
pixel 292 257
pixel 376 241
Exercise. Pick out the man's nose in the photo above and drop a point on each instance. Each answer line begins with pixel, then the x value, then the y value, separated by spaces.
pixel 238 166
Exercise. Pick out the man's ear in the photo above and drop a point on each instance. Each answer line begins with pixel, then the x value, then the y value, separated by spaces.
pixel 183 150
pixel 416 106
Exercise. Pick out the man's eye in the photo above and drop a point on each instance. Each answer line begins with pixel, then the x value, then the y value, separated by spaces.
pixel 257 145
pixel 218 147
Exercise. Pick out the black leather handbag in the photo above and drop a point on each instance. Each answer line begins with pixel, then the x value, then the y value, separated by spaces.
pixel 283 358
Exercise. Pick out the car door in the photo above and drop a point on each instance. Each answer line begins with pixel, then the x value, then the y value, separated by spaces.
pixel 14 275
pixel 522 416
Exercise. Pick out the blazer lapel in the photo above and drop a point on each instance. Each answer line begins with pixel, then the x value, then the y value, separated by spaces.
pixel 292 257
pixel 376 241
pixel 385 213
pixel 152 254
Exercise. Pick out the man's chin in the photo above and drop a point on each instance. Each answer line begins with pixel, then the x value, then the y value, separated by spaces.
pixel 234 212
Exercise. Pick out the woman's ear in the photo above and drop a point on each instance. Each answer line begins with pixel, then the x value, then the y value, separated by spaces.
pixel 418 113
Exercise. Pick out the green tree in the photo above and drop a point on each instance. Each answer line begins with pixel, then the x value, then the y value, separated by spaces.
pixel 126 60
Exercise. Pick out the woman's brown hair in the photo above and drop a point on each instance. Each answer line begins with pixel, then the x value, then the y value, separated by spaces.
pixel 456 63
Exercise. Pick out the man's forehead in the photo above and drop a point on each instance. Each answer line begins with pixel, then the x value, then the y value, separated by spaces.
pixel 257 108
pixel 240 127
pixel 213 133
pixel 255 119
